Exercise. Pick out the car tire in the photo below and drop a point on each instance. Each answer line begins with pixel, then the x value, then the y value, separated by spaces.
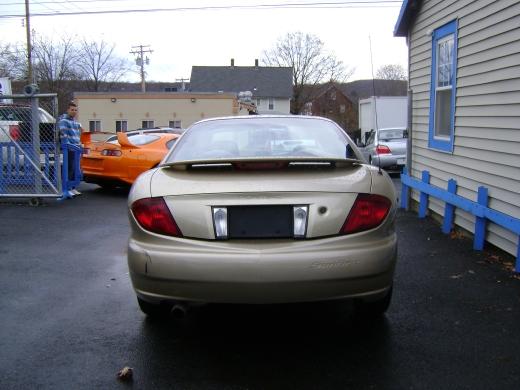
pixel 153 310
pixel 374 309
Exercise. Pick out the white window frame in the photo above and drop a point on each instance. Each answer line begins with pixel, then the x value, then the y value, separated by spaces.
pixel 94 125
pixel 147 126
pixel 123 125
pixel 175 124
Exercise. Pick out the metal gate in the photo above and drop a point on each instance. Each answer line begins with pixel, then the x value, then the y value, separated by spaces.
pixel 30 157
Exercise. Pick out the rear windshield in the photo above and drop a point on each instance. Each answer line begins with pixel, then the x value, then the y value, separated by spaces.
pixel 262 137
pixel 389 134
pixel 138 139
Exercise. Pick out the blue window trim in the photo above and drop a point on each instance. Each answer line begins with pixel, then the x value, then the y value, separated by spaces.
pixel 441 32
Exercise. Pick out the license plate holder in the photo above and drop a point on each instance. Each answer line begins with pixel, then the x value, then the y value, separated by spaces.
pixel 260 221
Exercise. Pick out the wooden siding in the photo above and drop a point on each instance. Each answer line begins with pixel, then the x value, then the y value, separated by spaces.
pixel 486 148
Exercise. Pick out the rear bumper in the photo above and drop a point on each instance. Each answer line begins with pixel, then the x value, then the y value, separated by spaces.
pixel 292 271
pixel 389 161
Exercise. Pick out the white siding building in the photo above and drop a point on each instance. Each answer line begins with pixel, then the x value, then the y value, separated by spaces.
pixel 464 77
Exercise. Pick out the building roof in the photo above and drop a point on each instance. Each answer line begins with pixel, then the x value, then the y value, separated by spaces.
pixel 409 9
pixel 262 81
pixel 362 89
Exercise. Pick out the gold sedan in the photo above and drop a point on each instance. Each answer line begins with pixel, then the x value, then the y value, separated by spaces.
pixel 262 209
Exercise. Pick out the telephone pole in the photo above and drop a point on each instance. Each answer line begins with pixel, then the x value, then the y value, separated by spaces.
pixel 183 85
pixel 140 60
pixel 29 48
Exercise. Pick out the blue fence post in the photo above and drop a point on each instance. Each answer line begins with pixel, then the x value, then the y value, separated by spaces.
pixel 65 172
pixel 449 209
pixel 517 266
pixel 480 222
pixel 404 191
pixel 423 199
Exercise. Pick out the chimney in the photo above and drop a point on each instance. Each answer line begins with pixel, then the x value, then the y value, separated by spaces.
pixel 256 62
pixel 232 62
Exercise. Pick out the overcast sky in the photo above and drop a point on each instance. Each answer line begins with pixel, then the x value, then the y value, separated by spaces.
pixel 183 33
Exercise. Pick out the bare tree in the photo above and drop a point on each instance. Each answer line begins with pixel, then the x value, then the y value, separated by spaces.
pixel 391 72
pixel 13 62
pixel 311 65
pixel 98 64
pixel 56 66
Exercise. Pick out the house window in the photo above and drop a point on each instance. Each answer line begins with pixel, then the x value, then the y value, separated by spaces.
pixel 333 95
pixel 443 87
pixel 175 124
pixel 148 124
pixel 342 108
pixel 271 103
pixel 258 100
pixel 94 126
pixel 121 126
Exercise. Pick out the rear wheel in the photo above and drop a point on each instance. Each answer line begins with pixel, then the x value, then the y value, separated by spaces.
pixel 374 309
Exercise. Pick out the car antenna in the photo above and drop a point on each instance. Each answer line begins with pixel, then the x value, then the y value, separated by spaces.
pixel 375 100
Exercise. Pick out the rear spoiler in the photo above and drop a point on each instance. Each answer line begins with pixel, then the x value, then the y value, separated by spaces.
pixel 86 136
pixel 333 162
pixel 123 140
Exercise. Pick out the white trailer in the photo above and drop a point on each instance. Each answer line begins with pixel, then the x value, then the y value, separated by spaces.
pixel 381 112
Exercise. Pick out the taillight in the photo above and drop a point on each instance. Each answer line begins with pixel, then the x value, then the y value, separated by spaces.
pixel 153 215
pixel 368 212
pixel 383 149
pixel 14 132
pixel 111 153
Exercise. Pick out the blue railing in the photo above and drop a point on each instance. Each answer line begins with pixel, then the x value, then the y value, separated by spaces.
pixel 479 208
pixel 19 164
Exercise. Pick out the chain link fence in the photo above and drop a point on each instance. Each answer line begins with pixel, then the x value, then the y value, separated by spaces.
pixel 30 158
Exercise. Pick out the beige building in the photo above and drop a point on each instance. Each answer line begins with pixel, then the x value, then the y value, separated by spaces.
pixel 120 111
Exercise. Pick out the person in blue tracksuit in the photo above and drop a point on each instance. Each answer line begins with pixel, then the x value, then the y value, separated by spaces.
pixel 70 132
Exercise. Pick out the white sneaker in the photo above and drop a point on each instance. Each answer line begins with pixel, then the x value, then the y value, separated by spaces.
pixel 71 194
pixel 75 192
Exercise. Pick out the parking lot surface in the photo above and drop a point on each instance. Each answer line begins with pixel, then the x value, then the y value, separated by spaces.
pixel 69 318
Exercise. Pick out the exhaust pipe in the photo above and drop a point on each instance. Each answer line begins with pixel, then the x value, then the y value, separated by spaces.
pixel 178 311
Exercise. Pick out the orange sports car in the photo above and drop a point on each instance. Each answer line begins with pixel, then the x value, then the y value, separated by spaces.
pixel 119 159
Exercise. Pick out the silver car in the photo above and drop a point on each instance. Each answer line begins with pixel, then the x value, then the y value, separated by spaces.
pixel 262 209
pixel 386 148
pixel 16 134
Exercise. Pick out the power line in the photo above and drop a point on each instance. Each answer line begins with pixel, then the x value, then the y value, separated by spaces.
pixel 341 4
pixel 112 1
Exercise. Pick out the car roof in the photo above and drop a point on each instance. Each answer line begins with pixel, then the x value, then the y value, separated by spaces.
pixel 263 116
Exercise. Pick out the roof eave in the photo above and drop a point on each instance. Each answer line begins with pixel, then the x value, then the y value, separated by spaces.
pixel 408 10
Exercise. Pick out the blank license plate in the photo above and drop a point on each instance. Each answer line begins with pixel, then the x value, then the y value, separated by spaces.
pixel 260 222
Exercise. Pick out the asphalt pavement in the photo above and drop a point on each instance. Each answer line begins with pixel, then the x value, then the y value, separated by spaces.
pixel 69 318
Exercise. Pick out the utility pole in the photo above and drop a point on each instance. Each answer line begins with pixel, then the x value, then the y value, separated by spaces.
pixel 182 80
pixel 140 60
pixel 29 48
